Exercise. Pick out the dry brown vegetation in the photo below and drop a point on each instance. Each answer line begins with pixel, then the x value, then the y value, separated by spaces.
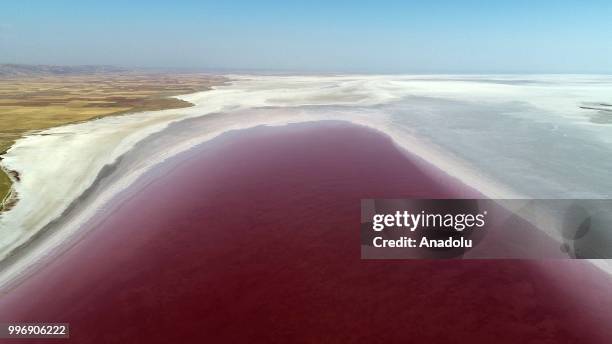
pixel 30 103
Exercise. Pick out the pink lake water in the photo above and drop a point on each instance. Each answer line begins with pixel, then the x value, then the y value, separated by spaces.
pixel 254 237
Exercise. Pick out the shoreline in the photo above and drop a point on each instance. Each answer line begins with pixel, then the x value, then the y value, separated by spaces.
pixel 185 134
pixel 286 250
pixel 57 102
pixel 10 197
pixel 146 123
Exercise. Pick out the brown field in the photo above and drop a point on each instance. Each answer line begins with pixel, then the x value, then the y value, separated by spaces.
pixel 29 103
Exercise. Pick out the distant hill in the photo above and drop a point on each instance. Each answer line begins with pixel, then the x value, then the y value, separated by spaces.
pixel 16 70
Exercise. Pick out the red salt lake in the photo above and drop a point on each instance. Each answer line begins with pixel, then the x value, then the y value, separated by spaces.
pixel 254 237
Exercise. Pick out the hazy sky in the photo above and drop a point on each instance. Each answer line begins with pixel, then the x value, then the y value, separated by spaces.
pixel 360 36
